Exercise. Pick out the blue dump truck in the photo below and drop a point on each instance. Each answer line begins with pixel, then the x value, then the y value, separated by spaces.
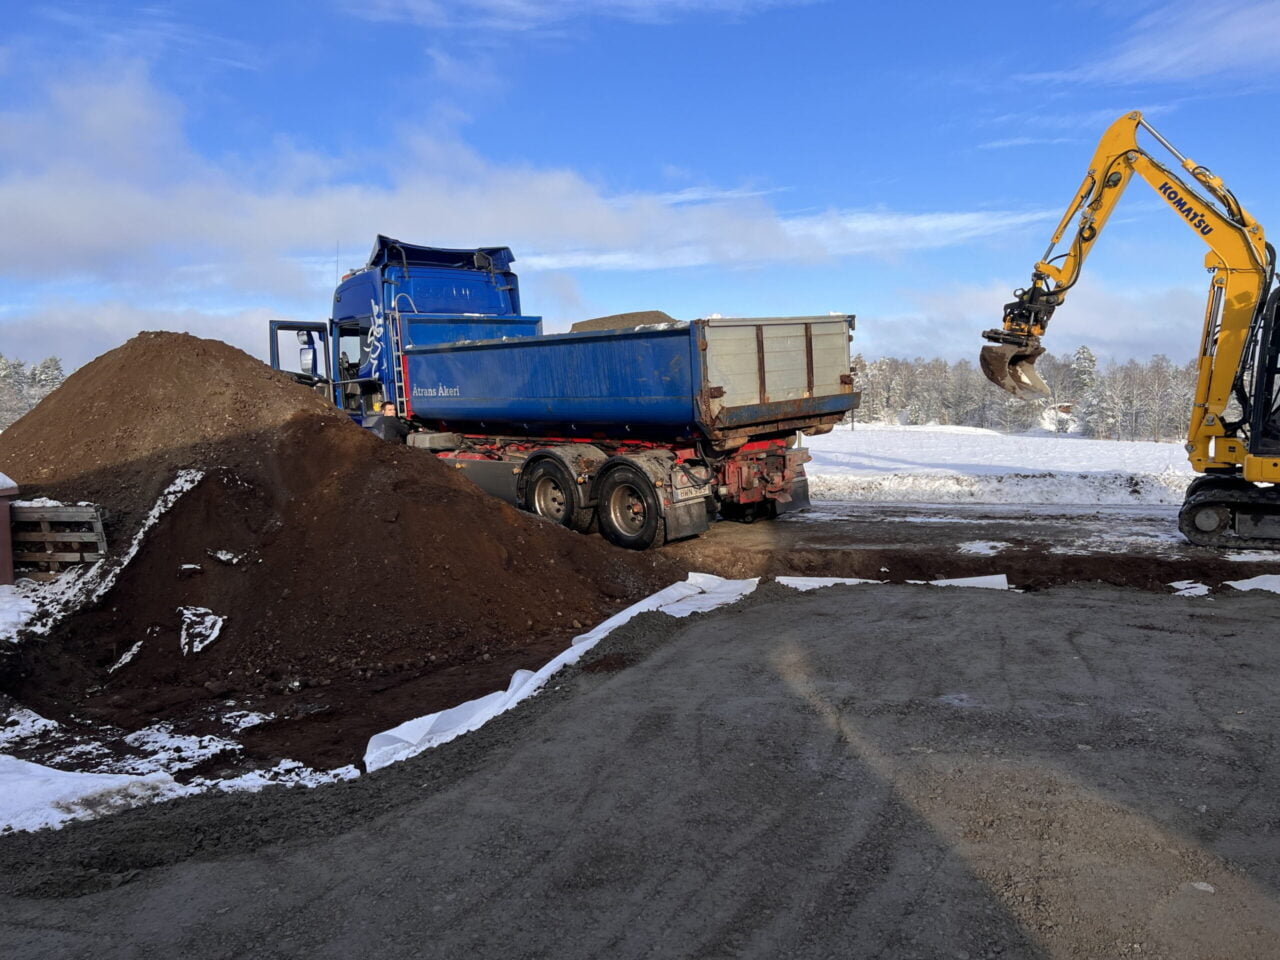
pixel 644 432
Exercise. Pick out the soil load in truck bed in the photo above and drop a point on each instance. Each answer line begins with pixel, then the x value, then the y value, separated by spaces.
pixel 361 582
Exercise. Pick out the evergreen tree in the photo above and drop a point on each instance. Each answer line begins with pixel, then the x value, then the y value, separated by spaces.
pixel 21 389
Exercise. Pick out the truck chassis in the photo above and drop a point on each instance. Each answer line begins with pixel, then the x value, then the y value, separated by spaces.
pixel 635 493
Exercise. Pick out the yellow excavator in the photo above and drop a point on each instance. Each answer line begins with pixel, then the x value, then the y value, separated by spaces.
pixel 1233 437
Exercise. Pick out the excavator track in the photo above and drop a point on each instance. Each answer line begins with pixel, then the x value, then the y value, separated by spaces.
pixel 1211 517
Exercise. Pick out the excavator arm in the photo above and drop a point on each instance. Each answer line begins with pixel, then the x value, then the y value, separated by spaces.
pixel 1239 259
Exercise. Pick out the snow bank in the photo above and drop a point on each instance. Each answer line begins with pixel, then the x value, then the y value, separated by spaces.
pixel 1267 581
pixel 15 610
pixel 942 464
pixel 33 797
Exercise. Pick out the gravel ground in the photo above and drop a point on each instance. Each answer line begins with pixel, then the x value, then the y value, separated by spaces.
pixel 888 771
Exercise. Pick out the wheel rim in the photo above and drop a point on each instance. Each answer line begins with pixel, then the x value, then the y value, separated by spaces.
pixel 627 509
pixel 549 499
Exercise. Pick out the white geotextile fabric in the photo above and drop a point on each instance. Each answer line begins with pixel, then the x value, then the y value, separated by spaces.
pixel 698 594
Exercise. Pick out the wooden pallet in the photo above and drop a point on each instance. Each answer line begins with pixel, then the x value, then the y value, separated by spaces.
pixel 48 540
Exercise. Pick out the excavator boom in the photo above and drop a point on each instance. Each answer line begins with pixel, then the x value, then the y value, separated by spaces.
pixel 1239 358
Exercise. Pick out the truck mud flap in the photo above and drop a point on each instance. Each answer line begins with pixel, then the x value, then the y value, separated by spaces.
pixel 686 519
pixel 799 497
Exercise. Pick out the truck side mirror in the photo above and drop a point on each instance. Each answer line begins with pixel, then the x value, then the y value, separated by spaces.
pixel 307 355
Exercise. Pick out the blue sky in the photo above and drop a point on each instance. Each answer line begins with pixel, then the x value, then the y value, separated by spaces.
pixel 196 166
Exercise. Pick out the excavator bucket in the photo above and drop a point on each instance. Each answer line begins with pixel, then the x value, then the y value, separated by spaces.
pixel 1011 367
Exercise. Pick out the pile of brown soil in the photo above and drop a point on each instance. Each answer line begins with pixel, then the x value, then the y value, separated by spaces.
pixel 362 582
pixel 620 321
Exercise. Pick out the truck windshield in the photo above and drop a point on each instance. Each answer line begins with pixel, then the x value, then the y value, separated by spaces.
pixel 447 291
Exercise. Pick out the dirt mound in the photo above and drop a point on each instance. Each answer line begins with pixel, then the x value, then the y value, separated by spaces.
pixel 359 582
pixel 117 429
pixel 620 321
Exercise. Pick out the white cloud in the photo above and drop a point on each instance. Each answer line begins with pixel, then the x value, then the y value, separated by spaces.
pixel 1024 142
pixel 1114 325
pixel 99 182
pixel 145 31
pixel 530 14
pixel 101 190
pixel 712 194
pixel 77 333
pixel 1190 40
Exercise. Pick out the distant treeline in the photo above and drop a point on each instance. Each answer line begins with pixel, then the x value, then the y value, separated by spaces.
pixel 1147 400
pixel 22 387
pixel 1137 400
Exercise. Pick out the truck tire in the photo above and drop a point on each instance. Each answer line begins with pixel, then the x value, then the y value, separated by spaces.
pixel 550 492
pixel 627 508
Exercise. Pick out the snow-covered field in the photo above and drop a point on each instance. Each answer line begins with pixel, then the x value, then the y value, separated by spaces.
pixel 938 464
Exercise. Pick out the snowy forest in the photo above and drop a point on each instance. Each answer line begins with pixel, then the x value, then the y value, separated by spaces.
pixel 22 387
pixel 1132 401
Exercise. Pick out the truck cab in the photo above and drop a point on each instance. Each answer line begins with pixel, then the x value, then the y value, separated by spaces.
pixel 406 295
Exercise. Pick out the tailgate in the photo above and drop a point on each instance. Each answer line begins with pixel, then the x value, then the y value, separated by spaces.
pixel 765 370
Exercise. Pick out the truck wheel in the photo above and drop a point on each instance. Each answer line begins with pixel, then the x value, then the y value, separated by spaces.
pixel 628 508
pixel 549 492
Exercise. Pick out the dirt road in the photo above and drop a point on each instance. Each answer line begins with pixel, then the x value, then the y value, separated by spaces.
pixel 1035 545
pixel 888 771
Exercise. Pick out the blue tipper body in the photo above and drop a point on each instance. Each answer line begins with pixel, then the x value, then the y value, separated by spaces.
pixel 645 382
pixel 440 331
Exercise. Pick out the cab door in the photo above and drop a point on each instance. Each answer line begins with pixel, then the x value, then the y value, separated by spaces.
pixel 312 366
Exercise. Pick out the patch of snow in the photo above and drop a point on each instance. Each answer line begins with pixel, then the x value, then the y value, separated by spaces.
pixel 57 599
pixel 35 502
pixel 226 556
pixel 997 581
pixel 171 751
pixel 938 464
pixel 126 657
pixel 1189 588
pixel 287 773
pixel 22 724
pixel 184 481
pixel 982 548
pixel 16 610
pixel 190 566
pixel 200 627
pixel 1267 581
pixel 244 719
pixel 1254 556
pixel 33 797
